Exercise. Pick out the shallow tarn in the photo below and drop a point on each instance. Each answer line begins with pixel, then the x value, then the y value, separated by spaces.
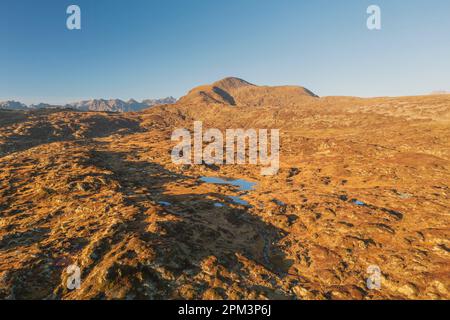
pixel 243 185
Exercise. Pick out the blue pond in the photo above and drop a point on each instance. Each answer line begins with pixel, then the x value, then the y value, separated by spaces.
pixel 238 200
pixel 358 203
pixel 242 184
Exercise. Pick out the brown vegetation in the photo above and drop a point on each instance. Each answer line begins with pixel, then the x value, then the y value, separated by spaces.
pixel 92 189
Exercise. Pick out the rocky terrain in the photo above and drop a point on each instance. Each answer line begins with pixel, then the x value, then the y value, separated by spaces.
pixel 362 182
pixel 111 105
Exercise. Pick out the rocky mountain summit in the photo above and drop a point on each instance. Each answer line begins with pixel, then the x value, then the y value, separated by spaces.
pixel 235 91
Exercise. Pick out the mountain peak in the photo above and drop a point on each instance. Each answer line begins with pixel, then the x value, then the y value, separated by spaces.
pixel 235 91
pixel 231 83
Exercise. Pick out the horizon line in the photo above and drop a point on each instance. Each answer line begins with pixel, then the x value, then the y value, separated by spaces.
pixel 29 102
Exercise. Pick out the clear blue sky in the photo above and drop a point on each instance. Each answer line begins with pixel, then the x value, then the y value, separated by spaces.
pixel 154 48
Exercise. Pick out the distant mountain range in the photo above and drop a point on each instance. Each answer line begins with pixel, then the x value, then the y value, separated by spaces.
pixel 13 105
pixel 440 92
pixel 111 105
